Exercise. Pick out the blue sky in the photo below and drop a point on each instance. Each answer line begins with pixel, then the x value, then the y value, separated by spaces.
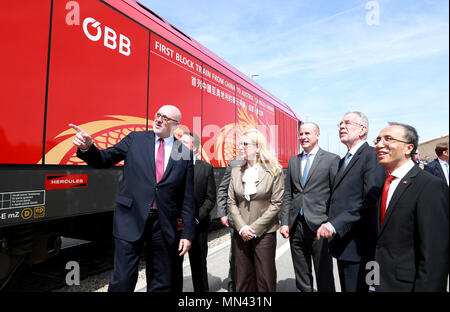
pixel 323 58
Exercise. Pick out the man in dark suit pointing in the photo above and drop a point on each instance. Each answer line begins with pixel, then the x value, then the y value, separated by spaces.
pixel 306 198
pixel 412 248
pixel 157 187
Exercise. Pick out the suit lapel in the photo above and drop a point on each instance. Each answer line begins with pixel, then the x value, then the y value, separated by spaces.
pixel 314 164
pixel 404 184
pixel 354 159
pixel 151 150
pixel 262 172
pixel 297 170
pixel 440 170
pixel 197 169
pixel 337 178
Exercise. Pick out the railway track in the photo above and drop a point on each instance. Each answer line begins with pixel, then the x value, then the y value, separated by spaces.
pixel 92 258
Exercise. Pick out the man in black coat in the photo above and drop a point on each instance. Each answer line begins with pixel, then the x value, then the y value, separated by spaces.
pixel 439 166
pixel 352 216
pixel 157 187
pixel 412 249
pixel 205 199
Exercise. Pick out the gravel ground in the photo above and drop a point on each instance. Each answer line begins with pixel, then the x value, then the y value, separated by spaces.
pixel 99 282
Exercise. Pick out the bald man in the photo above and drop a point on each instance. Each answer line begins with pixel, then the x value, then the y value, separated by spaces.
pixel 157 187
pixel 306 198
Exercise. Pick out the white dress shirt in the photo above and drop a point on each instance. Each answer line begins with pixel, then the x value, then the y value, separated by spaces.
pixel 168 144
pixel 354 149
pixel 398 173
pixel 444 168
pixel 312 154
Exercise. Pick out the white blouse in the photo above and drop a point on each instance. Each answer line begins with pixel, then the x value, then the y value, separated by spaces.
pixel 250 178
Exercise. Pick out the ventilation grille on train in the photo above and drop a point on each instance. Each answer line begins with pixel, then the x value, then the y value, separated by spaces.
pixel 182 33
pixel 151 12
pixel 158 17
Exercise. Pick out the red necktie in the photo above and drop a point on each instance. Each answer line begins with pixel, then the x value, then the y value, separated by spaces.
pixel 384 196
pixel 160 161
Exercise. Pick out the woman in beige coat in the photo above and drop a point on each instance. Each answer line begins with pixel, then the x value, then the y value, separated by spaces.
pixel 254 200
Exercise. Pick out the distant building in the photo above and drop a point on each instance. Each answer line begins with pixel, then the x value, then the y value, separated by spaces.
pixel 426 148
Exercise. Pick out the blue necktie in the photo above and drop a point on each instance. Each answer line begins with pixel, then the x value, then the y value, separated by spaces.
pixel 446 166
pixel 347 159
pixel 306 169
pixel 305 175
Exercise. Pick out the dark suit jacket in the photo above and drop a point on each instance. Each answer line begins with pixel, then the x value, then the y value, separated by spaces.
pixel 413 243
pixel 435 169
pixel 314 196
pixel 204 192
pixel 174 194
pixel 353 206
pixel 222 191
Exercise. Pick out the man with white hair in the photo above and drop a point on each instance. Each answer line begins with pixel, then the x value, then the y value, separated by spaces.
pixel 357 186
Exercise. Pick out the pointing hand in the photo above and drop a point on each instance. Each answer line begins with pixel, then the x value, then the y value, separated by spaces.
pixel 82 140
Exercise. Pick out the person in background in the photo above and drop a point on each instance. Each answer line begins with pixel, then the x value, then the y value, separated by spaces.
pixel 439 166
pixel 157 186
pixel 418 161
pixel 225 218
pixel 306 199
pixel 357 186
pixel 205 199
pixel 254 200
pixel 412 248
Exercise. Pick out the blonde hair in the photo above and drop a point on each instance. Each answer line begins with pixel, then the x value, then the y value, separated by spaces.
pixel 265 158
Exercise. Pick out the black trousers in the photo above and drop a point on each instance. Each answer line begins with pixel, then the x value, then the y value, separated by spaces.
pixel 231 287
pixel 304 248
pixel 352 276
pixel 158 260
pixel 197 259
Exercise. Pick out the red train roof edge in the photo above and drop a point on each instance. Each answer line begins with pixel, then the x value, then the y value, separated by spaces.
pixel 201 51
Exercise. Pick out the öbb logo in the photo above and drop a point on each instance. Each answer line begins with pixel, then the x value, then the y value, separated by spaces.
pixel 93 30
pixel 110 36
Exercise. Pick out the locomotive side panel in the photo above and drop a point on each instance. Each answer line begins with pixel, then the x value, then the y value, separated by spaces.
pixel 218 117
pixel 23 63
pixel 172 73
pixel 98 78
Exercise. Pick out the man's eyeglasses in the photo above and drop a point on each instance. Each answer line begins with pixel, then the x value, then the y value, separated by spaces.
pixel 348 122
pixel 388 140
pixel 164 118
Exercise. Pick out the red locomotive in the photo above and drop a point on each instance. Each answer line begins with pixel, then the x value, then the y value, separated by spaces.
pixel 105 66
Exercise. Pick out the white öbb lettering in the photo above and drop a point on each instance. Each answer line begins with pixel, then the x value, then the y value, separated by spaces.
pixel 109 38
